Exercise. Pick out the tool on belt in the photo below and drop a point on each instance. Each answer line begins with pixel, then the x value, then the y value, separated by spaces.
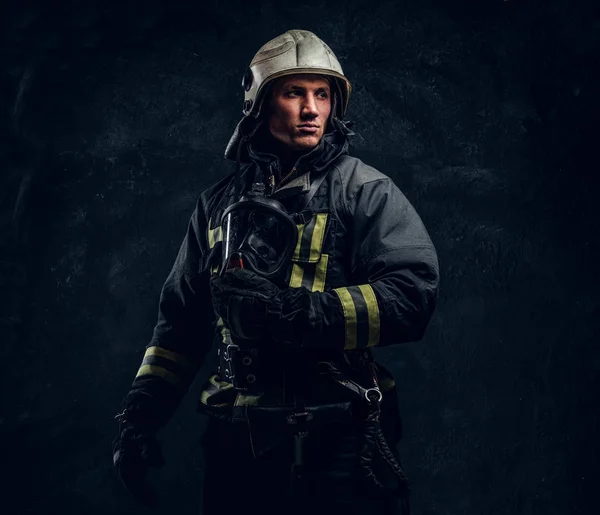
pixel 370 398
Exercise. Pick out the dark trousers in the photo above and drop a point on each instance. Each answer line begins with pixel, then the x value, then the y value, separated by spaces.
pixel 236 482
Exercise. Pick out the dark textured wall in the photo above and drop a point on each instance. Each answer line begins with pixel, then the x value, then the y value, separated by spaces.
pixel 114 116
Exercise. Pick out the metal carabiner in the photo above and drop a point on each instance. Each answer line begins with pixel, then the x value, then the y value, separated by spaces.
pixel 372 395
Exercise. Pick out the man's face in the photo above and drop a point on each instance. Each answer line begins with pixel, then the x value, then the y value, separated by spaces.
pixel 300 106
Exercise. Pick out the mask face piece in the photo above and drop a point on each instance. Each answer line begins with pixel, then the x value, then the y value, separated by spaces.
pixel 260 241
pixel 258 234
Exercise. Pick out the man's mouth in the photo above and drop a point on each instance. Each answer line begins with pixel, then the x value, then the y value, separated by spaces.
pixel 310 128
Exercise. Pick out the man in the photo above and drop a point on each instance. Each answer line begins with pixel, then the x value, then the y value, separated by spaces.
pixel 301 261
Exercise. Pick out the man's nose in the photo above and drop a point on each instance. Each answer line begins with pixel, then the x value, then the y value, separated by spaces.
pixel 309 106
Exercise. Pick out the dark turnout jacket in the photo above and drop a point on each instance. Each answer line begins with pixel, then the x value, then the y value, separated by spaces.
pixel 362 251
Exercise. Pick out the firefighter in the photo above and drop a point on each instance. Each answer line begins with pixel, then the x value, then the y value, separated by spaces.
pixel 295 265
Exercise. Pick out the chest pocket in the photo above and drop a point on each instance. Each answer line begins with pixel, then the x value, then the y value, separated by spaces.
pixel 309 264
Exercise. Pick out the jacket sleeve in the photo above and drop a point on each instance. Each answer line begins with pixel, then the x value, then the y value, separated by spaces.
pixel 182 335
pixel 395 275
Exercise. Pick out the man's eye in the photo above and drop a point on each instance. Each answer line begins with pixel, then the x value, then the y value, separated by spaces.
pixel 323 94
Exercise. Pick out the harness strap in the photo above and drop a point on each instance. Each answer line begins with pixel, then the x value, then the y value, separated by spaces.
pixel 373 437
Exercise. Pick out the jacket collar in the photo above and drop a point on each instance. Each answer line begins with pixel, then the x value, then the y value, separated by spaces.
pixel 330 147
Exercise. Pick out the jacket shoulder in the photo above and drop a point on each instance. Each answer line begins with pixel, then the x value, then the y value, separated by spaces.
pixel 210 199
pixel 354 173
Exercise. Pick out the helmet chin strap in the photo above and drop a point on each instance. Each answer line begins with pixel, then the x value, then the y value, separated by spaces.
pixel 335 118
pixel 266 93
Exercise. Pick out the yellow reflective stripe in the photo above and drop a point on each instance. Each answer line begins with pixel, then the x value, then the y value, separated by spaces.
pixel 214 236
pixel 349 316
pixel 313 276
pixel 296 278
pixel 244 399
pixel 367 316
pixel 204 396
pixel 214 389
pixel 155 370
pixel 221 326
pixel 296 255
pixel 373 312
pixel 320 274
pixel 221 385
pixel 316 243
pixel 225 334
pixel 170 355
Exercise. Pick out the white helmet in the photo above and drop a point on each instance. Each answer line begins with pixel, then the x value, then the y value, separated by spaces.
pixel 295 51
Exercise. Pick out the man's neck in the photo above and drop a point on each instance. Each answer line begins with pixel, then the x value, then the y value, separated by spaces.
pixel 287 156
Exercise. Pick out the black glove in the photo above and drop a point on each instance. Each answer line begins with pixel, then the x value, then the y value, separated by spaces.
pixel 253 308
pixel 134 451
